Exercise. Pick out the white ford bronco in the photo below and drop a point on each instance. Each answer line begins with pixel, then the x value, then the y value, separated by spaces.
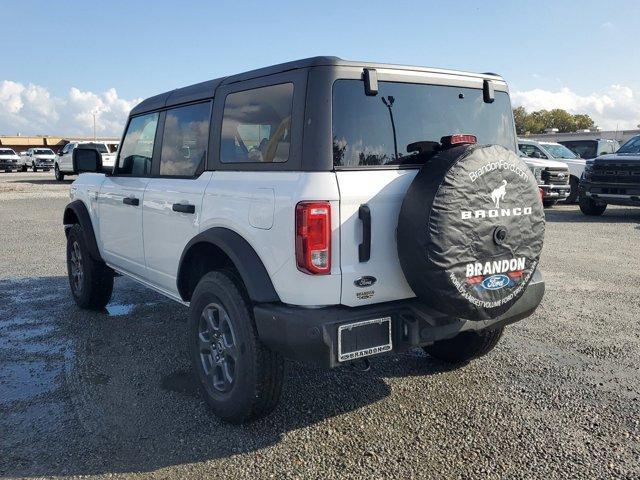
pixel 320 210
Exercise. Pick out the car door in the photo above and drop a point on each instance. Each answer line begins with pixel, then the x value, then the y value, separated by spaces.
pixel 121 194
pixel 173 198
pixel 65 163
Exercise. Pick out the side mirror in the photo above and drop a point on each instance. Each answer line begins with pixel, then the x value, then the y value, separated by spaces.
pixel 86 160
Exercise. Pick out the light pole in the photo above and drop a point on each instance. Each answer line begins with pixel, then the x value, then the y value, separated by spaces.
pixel 94 113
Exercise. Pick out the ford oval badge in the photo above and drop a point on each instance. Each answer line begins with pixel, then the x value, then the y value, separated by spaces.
pixel 364 282
pixel 495 282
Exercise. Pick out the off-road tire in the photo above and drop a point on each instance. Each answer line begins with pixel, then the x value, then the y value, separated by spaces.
pixel 96 284
pixel 258 371
pixel 465 346
pixel 574 194
pixel 591 208
pixel 549 203
pixel 59 175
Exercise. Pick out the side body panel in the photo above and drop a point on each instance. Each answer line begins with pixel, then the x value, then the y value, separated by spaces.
pixel 260 207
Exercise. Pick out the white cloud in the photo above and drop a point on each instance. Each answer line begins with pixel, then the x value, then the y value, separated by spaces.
pixel 31 110
pixel 617 107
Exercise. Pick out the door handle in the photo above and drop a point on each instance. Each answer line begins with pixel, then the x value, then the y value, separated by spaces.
pixel 184 208
pixel 131 201
pixel 364 249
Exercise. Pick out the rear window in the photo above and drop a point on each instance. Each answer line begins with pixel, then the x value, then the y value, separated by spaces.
pixel 582 148
pixel 404 123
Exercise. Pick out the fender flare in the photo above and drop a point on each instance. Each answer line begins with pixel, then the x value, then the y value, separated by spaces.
pixel 79 210
pixel 251 269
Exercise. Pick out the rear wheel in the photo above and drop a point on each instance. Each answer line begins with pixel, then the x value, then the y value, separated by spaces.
pixel 35 169
pixel 549 203
pixel 59 175
pixel 91 281
pixel 591 208
pixel 465 346
pixel 240 378
pixel 23 168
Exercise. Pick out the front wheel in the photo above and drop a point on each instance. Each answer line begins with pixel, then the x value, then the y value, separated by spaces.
pixel 465 346
pixel 35 169
pixel 23 168
pixel 591 208
pixel 574 184
pixel 91 281
pixel 240 378
pixel 59 175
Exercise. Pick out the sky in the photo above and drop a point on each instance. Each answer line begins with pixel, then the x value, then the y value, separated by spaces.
pixel 63 61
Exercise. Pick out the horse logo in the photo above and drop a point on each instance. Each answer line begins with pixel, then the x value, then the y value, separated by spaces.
pixel 498 194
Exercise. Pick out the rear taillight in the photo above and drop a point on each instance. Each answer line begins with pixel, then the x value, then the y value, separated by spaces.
pixel 313 237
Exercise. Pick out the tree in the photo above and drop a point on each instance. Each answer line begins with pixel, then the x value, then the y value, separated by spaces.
pixel 540 120
pixel 520 117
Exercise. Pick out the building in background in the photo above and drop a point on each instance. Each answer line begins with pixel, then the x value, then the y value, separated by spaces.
pixel 20 143
pixel 620 135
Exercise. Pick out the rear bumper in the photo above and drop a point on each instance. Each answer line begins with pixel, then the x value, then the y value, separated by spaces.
pixel 311 334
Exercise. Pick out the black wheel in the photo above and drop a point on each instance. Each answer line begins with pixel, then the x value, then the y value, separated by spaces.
pixel 240 378
pixel 59 175
pixel 465 346
pixel 591 208
pixel 574 183
pixel 23 168
pixel 35 169
pixel 91 281
pixel 549 203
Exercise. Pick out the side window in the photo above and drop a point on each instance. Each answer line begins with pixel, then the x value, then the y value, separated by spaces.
pixel 137 147
pixel 256 125
pixel 184 141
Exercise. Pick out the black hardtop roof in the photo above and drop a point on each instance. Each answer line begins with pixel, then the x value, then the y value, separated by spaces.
pixel 204 90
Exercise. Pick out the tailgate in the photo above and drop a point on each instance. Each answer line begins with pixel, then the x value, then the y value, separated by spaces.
pixel 380 278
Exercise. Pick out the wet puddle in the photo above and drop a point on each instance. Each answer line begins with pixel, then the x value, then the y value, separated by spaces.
pixel 119 310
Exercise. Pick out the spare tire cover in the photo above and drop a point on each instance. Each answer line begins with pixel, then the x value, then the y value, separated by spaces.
pixel 470 231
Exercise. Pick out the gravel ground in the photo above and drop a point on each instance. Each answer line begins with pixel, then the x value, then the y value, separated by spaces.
pixel 111 395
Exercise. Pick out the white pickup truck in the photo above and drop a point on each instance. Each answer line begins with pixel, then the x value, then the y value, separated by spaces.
pixel 64 164
pixel 321 210
pixel 36 158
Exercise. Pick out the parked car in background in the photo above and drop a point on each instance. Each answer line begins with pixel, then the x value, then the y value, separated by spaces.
pixel 612 179
pixel 64 164
pixel 552 176
pixel 8 159
pixel 37 158
pixel 588 149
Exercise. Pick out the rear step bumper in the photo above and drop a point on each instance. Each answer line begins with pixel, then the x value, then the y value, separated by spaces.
pixel 311 334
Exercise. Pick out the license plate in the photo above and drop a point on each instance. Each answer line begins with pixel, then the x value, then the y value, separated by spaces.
pixel 362 339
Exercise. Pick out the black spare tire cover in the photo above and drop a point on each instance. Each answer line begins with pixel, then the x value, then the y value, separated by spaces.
pixel 470 231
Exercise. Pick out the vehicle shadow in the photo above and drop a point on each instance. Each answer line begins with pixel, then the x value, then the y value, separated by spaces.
pixel 572 214
pixel 48 181
pixel 112 392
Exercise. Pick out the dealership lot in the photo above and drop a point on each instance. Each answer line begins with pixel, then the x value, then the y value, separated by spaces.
pixel 111 393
